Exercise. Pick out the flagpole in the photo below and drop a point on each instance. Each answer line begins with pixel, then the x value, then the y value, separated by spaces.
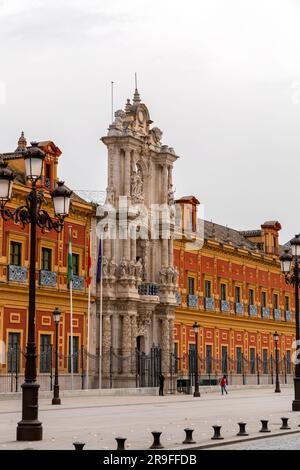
pixel 100 319
pixel 88 318
pixel 71 308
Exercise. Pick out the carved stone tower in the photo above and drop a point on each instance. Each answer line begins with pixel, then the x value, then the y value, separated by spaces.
pixel 139 280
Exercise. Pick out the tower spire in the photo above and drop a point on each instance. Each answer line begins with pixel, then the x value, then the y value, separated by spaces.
pixel 22 143
pixel 136 96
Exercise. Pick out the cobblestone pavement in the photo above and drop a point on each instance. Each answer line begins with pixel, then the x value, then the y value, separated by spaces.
pixel 98 420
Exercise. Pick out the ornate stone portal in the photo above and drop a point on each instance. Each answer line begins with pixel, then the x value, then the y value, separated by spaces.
pixel 139 280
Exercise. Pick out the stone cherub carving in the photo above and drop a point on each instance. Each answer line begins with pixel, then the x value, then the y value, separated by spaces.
pixel 170 273
pixel 175 276
pixel 123 269
pixel 105 266
pixel 163 275
pixel 138 269
pixel 131 268
pixel 112 268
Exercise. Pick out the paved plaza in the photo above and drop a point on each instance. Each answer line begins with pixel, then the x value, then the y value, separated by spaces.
pixel 98 420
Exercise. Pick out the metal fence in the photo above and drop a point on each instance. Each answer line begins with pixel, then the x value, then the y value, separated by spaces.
pixel 144 369
pixel 242 371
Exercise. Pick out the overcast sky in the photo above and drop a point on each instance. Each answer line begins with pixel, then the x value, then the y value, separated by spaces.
pixel 221 78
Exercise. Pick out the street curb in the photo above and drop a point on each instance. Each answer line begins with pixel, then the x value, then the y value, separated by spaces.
pixel 236 441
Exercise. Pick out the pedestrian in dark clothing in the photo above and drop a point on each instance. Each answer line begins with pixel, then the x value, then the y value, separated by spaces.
pixel 223 384
pixel 161 384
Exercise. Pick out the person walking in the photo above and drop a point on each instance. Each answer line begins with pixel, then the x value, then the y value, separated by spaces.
pixel 224 384
pixel 161 384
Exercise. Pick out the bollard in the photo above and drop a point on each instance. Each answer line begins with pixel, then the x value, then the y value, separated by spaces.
pixel 264 426
pixel 188 436
pixel 242 430
pixel 79 445
pixel 217 432
pixel 285 423
pixel 120 443
pixel 156 440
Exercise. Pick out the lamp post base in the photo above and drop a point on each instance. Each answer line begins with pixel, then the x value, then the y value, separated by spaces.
pixel 29 428
pixel 196 394
pixel 56 401
pixel 296 401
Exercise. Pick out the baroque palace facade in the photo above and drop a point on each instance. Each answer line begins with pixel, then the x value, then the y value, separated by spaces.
pixel 52 289
pixel 234 289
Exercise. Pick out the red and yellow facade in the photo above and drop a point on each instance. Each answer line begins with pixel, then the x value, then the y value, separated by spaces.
pixel 51 284
pixel 239 271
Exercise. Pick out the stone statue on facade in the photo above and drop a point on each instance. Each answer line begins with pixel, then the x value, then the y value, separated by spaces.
pixel 123 269
pixel 137 186
pixel 104 266
pixel 170 273
pixel 112 268
pixel 156 135
pixel 171 199
pixel 138 269
pixel 131 268
pixel 163 275
pixel 175 276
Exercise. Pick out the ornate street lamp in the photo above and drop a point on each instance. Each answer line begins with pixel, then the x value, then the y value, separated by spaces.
pixel 290 268
pixel 276 339
pixel 56 399
pixel 196 331
pixel 32 214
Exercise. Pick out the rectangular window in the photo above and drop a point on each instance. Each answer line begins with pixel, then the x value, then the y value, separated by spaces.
pixel 46 263
pixel 288 362
pixel 16 253
pixel 251 297
pixel 275 300
pixel 48 175
pixel 224 360
pixel 237 294
pixel 75 259
pixel 13 356
pixel 45 353
pixel 75 354
pixel 239 359
pixel 207 288
pixel 191 285
pixel 223 292
pixel 208 358
pixel 265 361
pixel 252 360
pixel 286 303
pixel 263 299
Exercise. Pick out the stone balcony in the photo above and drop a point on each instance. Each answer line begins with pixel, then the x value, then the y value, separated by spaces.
pixel 148 288
pixel 225 306
pixel 265 312
pixel 209 303
pixel 252 309
pixel 17 273
pixel 277 314
pixel 192 300
pixel 47 278
pixel 239 308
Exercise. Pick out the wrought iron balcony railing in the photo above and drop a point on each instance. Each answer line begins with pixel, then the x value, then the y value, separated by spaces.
pixel 252 310
pixel 288 315
pixel 178 298
pixel 277 314
pixel 265 312
pixel 47 278
pixel 225 305
pixel 17 273
pixel 239 308
pixel 209 303
pixel 192 300
pixel 78 282
pixel 148 288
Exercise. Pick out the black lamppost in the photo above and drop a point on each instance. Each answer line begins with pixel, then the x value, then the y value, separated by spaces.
pixel 32 214
pixel 276 339
pixel 290 268
pixel 56 399
pixel 196 331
